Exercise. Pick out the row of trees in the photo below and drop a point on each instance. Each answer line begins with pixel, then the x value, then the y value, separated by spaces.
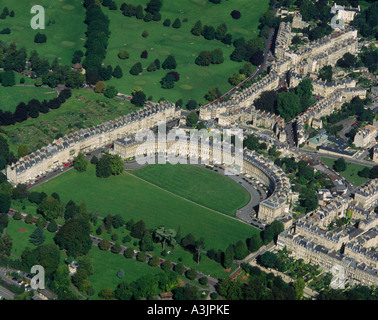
pixel 33 109
pixel 205 58
pixel 150 13
pixel 97 41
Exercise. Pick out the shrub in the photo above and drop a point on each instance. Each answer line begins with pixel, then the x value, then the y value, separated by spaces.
pixel 142 256
pixel 123 54
pixel 129 253
pixel 191 274
pixel 235 14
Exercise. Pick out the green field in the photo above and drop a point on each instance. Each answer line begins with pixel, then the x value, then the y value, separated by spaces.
pixel 65 32
pixel 84 109
pixel 195 81
pixel 10 97
pixel 351 172
pixel 106 266
pixel 132 198
pixel 214 191
pixel 20 233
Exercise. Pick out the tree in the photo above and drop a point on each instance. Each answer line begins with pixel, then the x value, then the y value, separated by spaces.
pixel 168 81
pixel 141 257
pixel 228 256
pixel 74 236
pixel 8 78
pixel 176 24
pixel 136 69
pixel 117 72
pixel 192 119
pixel 123 54
pixel 74 79
pixel 118 221
pixel 213 94
pixel 52 226
pixel 197 28
pixel 46 255
pixel 257 58
pixel 3 221
pixel 236 78
pixel 208 32
pixel 288 105
pixel 204 58
pixel 154 6
pixel 138 98
pixel 138 229
pixel 165 235
pixel 235 14
pixel 199 245
pixel 166 265
pixel 49 208
pixel 340 165
pixel 268 259
pixel 254 243
pixel 37 237
pixel 80 163
pixel 154 261
pixel 5 245
pixel 191 274
pixel 240 250
pixel 347 61
pixel 40 38
pixel 104 245
pixel 221 31
pixel 116 248
pixel 129 253
pixel 169 63
pixel 147 244
pixel 104 166
pixel 299 286
pixel 110 92
pixel 326 73
pixel 179 268
pixel 167 23
pixel 217 56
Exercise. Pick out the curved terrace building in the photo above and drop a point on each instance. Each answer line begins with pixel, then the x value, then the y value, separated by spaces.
pixel 189 151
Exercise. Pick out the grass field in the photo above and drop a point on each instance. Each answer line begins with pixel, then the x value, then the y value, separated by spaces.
pixel 106 266
pixel 10 97
pixel 84 109
pixel 20 233
pixel 136 199
pixel 351 172
pixel 195 81
pixel 65 32
pixel 196 184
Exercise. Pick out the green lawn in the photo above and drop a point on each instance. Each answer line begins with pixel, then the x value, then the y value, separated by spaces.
pixel 195 81
pixel 20 233
pixel 10 97
pixel 133 198
pixel 205 187
pixel 106 266
pixel 65 32
pixel 351 172
pixel 84 109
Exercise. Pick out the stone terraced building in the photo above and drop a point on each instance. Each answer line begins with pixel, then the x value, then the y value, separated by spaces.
pixel 63 150
pixel 250 162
